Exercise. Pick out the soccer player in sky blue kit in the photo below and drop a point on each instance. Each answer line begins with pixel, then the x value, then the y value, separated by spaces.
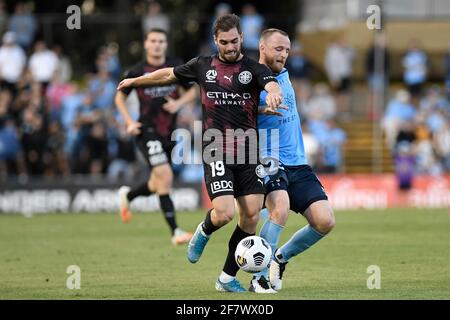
pixel 294 186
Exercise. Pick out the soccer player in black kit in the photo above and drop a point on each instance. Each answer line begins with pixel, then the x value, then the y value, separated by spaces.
pixel 157 120
pixel 230 84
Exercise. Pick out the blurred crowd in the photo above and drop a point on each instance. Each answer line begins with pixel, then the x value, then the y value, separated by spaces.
pixel 51 125
pixel 416 120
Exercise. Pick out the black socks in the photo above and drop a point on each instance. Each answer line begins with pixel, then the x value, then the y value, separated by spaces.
pixel 231 268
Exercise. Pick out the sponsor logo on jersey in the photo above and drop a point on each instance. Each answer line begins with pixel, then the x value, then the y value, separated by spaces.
pixel 229 98
pixel 162 91
pixel 211 75
pixel 230 78
pixel 228 95
pixel 245 77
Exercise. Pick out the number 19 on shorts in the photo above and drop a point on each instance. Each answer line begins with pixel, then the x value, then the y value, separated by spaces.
pixel 217 168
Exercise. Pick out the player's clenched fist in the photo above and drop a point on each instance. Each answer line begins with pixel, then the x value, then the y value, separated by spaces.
pixel 133 128
pixel 273 100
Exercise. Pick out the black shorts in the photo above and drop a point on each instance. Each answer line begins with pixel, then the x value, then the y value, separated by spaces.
pixel 155 149
pixel 301 183
pixel 236 179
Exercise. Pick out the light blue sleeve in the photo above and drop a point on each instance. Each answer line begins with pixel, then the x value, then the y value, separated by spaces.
pixel 262 98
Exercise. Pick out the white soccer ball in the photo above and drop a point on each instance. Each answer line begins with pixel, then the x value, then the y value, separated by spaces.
pixel 253 254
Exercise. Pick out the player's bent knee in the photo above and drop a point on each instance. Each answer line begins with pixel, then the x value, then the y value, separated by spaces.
pixel 163 171
pixel 250 218
pixel 325 225
pixel 162 180
pixel 224 215
pixel 279 215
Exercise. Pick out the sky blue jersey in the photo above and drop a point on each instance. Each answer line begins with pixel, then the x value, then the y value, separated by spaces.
pixel 288 148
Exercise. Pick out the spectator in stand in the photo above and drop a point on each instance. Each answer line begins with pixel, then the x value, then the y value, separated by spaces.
pixel 19 104
pixel 122 166
pixel 55 161
pixel 87 117
pixel 56 92
pixel 377 79
pixel 24 25
pixel 97 149
pixel 10 146
pixel 447 72
pixel 415 69
pixel 332 149
pixel 252 24
pixel 338 64
pixel 433 100
pixel 408 132
pixel 441 144
pixel 426 161
pixel 436 120
pixel 64 69
pixel 300 72
pixel 319 129
pixel 155 19
pixel 220 10
pixel 34 138
pixel 37 101
pixel 12 64
pixel 71 103
pixel 404 154
pixel 112 61
pixel 321 106
pixel 404 165
pixel 299 66
pixel 102 89
pixel 399 111
pixel 312 147
pixel 43 64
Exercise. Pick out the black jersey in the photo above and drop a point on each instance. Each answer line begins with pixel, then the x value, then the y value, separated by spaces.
pixel 229 90
pixel 151 99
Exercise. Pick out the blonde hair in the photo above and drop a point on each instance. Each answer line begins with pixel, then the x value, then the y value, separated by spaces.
pixel 268 32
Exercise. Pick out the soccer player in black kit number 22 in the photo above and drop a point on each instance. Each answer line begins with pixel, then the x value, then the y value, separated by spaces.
pixel 230 84
pixel 157 120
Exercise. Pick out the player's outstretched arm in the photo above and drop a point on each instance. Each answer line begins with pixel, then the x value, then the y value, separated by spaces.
pixel 274 95
pixel 159 77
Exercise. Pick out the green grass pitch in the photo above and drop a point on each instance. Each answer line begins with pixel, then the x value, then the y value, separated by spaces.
pixel 137 261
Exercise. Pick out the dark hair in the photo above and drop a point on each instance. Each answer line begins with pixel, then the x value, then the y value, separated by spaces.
pixel 157 30
pixel 268 32
pixel 226 23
